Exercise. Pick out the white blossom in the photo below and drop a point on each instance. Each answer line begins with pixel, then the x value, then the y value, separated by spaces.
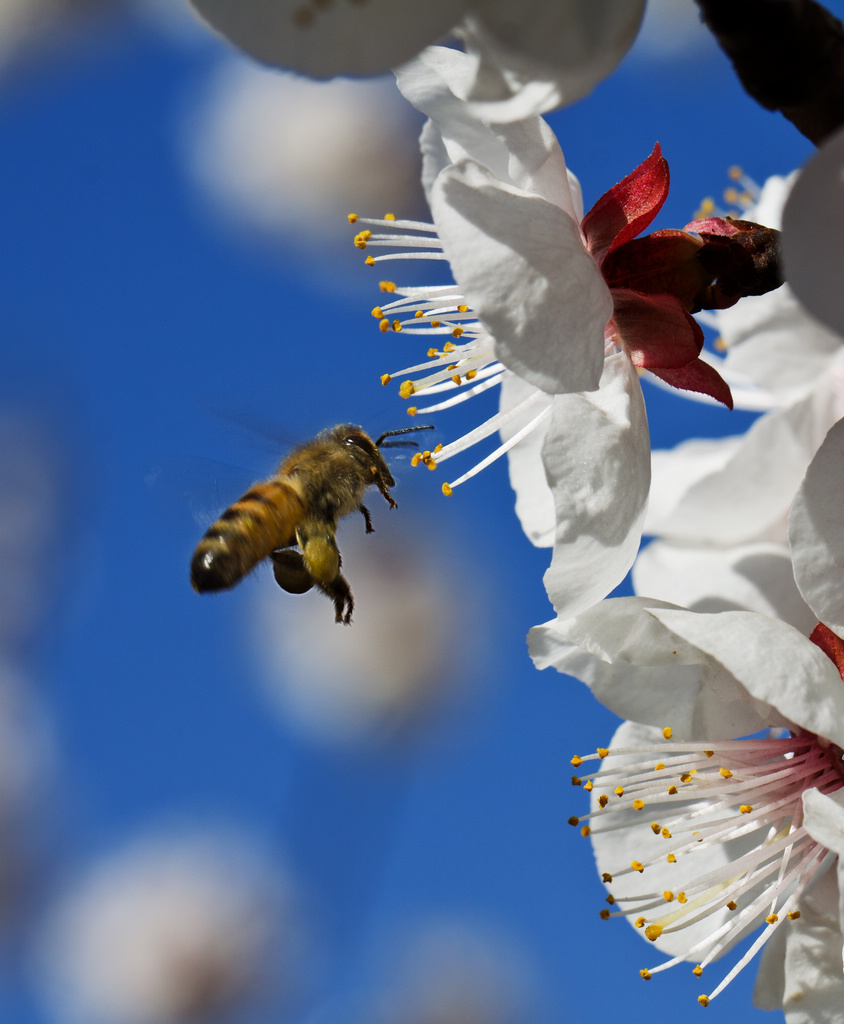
pixel 525 58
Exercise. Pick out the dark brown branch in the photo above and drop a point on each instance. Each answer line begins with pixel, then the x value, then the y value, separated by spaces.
pixel 789 56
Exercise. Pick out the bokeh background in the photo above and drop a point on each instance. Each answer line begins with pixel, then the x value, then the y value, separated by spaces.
pixel 229 807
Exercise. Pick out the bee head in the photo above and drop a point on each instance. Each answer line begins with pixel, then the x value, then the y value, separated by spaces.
pixel 364 451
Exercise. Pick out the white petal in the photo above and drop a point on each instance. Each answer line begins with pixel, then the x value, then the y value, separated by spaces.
pixel 525 154
pixel 813 229
pixel 597 461
pixel 534 497
pixel 772 341
pixel 807 982
pixel 750 577
pixel 749 497
pixel 339 38
pixel 645 672
pixel 616 848
pixel 547 55
pixel 675 471
pixel 816 532
pixel 823 816
pixel 776 665
pixel 522 266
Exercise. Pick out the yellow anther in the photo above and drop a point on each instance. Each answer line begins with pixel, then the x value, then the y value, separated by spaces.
pixel 732 905
pixel 471 374
pixel 793 915
pixel 653 932
pixel 387 286
pixel 407 389
pixel 426 455
pixel 452 366
pixel 438 449
pixel 435 323
pixel 378 313
pixel 746 808
pixel 574 820
pixel 671 858
pixel 604 915
pixel 735 172
pixel 389 216
pixel 353 218
pixel 606 877
pixel 430 463
pixel 611 900
pixel 370 261
pixel 457 332
pixel 396 325
pixel 383 326
pixel 697 971
pixel 655 827
pixel 433 353
pixel 412 410
pixel 385 378
pixel 668 896
pixel 682 898
pixel 659 767
pixel 418 314
pixel 576 780
pixel 725 773
pixel 456 378
pixel 666 732
pixel 638 805
pixel 576 761
pixel 449 346
pixel 709 753
pixel 719 344
pixel 619 791
pixel 417 458
pixel 639 922
pixel 462 309
pixel 703 1000
pixel 772 918
pixel 588 786
pixel 732 196
pixel 687 776
pixel 602 752
pixel 585 831
pixel 645 974
pixel 665 834
pixel 637 865
pixel 603 800
pixel 672 790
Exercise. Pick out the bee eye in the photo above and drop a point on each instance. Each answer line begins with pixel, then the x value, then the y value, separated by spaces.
pixel 356 441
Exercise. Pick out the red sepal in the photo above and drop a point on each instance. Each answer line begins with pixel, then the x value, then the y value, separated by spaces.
pixel 628 207
pixel 831 644
pixel 700 377
pixel 655 329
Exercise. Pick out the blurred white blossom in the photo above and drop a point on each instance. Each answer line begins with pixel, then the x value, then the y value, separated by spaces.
pixel 527 57
pixel 291 157
pixel 451 971
pixel 406 651
pixel 169 929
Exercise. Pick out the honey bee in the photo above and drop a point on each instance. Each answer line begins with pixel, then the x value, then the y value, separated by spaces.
pixel 318 483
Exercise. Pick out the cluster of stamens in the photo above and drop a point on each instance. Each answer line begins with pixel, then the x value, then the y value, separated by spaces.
pixel 742 795
pixel 738 198
pixel 464 363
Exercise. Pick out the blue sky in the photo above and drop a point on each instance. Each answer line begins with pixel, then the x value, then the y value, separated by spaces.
pixel 128 314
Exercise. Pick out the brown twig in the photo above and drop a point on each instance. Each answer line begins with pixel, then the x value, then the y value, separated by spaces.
pixel 789 56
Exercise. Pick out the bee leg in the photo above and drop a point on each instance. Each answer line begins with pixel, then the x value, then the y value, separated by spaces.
pixel 340 593
pixel 382 487
pixel 290 571
pixel 368 518
pixel 321 558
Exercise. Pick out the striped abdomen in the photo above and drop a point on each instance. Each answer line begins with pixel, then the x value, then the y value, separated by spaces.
pixel 264 519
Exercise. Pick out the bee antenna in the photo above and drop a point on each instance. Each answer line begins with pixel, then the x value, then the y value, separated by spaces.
pixel 401 444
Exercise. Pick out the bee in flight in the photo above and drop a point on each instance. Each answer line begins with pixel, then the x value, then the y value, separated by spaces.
pixel 318 483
